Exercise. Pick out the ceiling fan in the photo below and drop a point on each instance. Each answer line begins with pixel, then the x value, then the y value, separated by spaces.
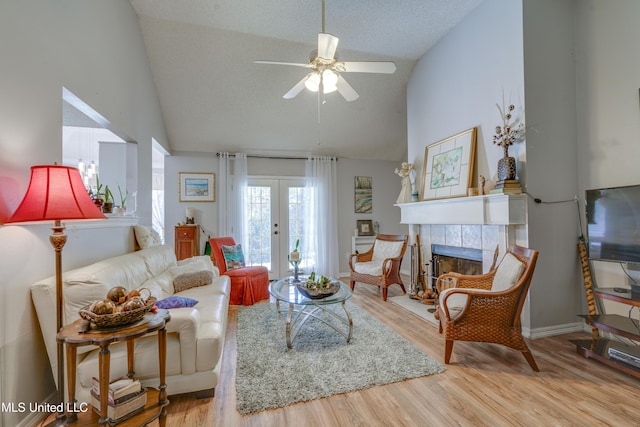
pixel 326 69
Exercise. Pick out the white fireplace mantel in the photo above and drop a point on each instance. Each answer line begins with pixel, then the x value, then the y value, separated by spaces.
pixel 496 209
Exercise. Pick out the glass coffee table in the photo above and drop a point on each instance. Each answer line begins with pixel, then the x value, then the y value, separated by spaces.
pixel 302 308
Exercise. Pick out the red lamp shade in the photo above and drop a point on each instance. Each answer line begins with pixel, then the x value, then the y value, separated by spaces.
pixel 55 193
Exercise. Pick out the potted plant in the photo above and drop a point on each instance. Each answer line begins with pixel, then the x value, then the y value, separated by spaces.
pixel 107 206
pixel 121 209
pixel 98 195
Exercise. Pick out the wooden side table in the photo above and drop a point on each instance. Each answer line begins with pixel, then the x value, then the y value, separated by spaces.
pixel 73 337
pixel 187 241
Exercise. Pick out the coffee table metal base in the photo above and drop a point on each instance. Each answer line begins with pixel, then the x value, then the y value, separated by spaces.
pixel 297 316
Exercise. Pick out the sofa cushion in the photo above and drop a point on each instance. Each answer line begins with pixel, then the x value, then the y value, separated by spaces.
pixel 85 285
pixel 233 256
pixel 176 301
pixel 157 259
pixel 146 236
pixel 189 280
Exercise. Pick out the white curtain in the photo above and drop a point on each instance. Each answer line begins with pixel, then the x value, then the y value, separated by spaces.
pixel 321 215
pixel 157 202
pixel 232 190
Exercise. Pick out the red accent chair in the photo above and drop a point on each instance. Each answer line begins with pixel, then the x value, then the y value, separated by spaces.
pixel 248 284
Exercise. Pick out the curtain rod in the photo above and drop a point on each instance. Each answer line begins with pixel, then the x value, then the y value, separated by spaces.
pixel 257 156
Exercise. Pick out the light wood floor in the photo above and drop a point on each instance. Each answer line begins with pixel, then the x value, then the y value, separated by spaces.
pixel 485 384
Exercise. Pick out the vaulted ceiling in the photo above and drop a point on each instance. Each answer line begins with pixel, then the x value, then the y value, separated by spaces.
pixel 215 98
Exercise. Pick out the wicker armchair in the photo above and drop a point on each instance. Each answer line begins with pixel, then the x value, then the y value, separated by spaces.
pixel 380 265
pixel 487 308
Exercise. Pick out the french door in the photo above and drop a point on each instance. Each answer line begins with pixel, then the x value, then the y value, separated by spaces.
pixel 275 221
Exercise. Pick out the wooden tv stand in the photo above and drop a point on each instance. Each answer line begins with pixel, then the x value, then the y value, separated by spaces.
pixel 627 327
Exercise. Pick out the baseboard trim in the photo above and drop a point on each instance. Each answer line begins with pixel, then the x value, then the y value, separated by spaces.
pixel 549 331
pixel 36 418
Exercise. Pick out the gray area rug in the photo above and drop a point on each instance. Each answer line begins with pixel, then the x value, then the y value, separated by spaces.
pixel 321 363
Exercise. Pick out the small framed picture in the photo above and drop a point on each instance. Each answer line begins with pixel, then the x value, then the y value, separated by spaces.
pixel 363 194
pixel 365 227
pixel 197 187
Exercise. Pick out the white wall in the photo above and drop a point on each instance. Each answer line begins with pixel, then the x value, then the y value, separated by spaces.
pixel 574 61
pixel 551 169
pixel 386 187
pixel 206 213
pixel 457 84
pixel 608 113
pixel 507 48
pixel 95 50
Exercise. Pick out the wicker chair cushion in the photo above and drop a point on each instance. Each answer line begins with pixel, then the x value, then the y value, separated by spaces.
pixel 383 250
pixel 373 268
pixel 508 273
pixel 455 303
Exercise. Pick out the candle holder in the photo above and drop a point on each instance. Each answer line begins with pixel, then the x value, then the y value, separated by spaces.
pixel 294 259
pixel 295 270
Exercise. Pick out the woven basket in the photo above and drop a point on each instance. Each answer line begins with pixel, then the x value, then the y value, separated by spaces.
pixel 116 319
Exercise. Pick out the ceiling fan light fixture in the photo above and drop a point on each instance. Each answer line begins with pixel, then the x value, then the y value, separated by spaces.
pixel 329 79
pixel 312 82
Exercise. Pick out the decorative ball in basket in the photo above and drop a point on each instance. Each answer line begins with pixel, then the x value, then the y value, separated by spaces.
pixel 120 307
pixel 318 288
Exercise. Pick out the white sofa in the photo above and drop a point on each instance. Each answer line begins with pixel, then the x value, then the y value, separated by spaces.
pixel 195 336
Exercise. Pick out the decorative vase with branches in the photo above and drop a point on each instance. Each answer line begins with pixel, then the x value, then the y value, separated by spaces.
pixel 506 135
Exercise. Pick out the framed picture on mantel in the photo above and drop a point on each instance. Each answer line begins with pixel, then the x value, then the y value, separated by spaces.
pixel 448 166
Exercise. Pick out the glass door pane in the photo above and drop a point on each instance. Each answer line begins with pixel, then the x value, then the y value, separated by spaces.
pixel 275 217
pixel 261 208
pixel 294 208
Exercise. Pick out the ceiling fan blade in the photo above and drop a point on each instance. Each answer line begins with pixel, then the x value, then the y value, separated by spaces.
pixel 367 67
pixel 346 90
pixel 327 45
pixel 294 91
pixel 284 63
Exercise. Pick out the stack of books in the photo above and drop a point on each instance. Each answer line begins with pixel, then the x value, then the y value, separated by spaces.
pixel 126 398
pixel 508 186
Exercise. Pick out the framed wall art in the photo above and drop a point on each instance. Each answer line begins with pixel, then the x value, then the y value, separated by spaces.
pixel 197 187
pixel 448 166
pixel 363 194
pixel 365 227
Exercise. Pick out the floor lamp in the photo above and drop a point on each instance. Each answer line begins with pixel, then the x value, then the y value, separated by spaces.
pixel 56 193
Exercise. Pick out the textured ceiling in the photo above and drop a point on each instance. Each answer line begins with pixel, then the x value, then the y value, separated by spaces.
pixel 214 98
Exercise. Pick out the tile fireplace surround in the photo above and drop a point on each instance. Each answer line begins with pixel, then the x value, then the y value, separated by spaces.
pixel 477 222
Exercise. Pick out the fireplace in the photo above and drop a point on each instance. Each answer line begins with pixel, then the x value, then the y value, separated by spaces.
pixel 446 259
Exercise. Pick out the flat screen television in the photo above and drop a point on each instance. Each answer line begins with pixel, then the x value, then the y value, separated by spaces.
pixel 613 224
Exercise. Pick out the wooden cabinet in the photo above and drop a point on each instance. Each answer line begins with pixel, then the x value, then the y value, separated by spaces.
pixel 187 242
